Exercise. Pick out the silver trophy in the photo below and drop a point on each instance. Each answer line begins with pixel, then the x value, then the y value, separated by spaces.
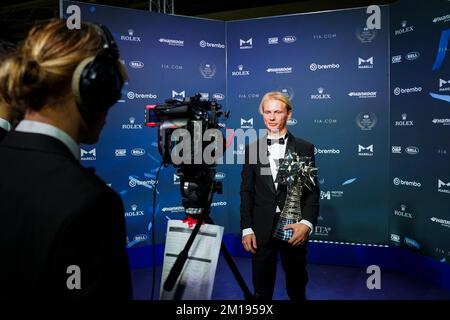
pixel 297 173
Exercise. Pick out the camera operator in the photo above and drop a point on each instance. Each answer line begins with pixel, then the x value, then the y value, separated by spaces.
pixel 62 231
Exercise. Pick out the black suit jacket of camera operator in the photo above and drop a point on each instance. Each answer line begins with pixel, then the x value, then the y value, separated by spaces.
pixel 54 213
pixel 259 198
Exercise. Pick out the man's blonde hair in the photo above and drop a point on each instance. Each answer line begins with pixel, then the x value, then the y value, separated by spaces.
pixel 276 95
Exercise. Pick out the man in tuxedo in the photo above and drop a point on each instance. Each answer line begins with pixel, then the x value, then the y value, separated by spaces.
pixel 262 201
pixel 62 230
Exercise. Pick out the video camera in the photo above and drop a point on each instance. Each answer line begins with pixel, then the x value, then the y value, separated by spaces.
pixel 188 125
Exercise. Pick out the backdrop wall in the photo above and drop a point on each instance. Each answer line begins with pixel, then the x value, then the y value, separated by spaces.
pixel 337 74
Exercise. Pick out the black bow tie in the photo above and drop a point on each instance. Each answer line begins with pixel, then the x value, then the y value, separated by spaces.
pixel 270 141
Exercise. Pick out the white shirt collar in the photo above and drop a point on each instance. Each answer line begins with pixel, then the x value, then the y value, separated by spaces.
pixel 5 124
pixel 52 131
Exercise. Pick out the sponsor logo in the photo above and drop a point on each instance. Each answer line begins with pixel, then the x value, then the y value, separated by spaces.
pixel 219 204
pixel 322 231
pixel 442 222
pixel 366 120
pixel 444 85
pixel 246 124
pixel 220 175
pixel 315 66
pixel 206 44
pixel 218 96
pixel 240 151
pixel 178 95
pixel 289 39
pixel 412 243
pixel 325 121
pixel 442 151
pixel 240 71
pixel 130 37
pixel 132 125
pixel 137 152
pixel 173 209
pixel 172 42
pixel 365 151
pixel 411 56
pixel 134 181
pixel 412 150
pixel 136 64
pixel 176 179
pixel 328 195
pixel 207 70
pixel 365 63
pixel 445 18
pixel 404 28
pixel 396 149
pixel 395 237
pixel 171 66
pixel 140 237
pixel 204 96
pixel 134 211
pixel 366 35
pixel 134 95
pixel 404 122
pixel 248 95
pixel 400 182
pixel 443 186
pixel 445 122
pixel 403 213
pixel 398 91
pixel 272 40
pixel 279 70
pixel 320 95
pixel 363 94
pixel 288 92
pixel 292 122
pixel 120 152
pixel 246 44
pixel 324 36
pixel 396 59
pixel 326 151
pixel 88 155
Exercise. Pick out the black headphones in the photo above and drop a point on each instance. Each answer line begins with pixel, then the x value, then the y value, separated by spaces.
pixel 97 81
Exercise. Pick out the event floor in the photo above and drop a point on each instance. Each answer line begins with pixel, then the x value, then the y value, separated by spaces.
pixel 326 282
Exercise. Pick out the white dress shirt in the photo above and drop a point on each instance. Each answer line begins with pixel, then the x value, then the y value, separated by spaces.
pixel 276 152
pixel 5 124
pixel 52 131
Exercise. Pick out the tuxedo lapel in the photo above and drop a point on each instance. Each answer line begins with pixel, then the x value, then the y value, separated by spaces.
pixel 264 169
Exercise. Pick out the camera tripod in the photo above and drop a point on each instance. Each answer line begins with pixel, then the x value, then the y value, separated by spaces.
pixel 197 187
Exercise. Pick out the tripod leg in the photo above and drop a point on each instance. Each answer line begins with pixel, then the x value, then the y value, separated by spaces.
pixel 226 254
pixel 247 294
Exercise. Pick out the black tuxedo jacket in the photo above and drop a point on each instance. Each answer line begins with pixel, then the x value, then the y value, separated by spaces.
pixel 54 214
pixel 3 133
pixel 259 198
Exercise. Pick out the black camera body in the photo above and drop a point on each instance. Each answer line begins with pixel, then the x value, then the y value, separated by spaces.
pixel 186 129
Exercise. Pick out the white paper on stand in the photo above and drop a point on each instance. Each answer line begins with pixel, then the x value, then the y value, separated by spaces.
pixel 197 276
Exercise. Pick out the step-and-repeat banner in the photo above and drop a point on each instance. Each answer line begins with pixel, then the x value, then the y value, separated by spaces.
pixel 336 72
pixel 420 127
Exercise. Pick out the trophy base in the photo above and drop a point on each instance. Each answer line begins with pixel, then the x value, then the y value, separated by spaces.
pixel 281 234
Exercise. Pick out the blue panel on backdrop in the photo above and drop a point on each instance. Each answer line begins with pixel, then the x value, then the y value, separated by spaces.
pixel 167 57
pixel 335 72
